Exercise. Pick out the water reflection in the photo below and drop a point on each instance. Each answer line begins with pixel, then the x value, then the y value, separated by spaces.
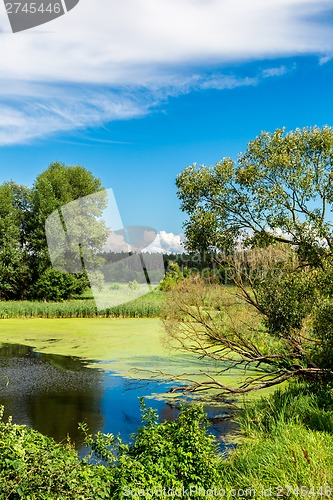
pixel 48 392
pixel 52 393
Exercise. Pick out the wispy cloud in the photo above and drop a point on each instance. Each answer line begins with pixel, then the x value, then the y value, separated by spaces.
pixel 271 72
pixel 31 111
pixel 325 59
pixel 222 82
pixel 33 116
pixel 111 60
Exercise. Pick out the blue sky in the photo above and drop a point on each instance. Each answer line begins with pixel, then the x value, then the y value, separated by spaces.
pixel 137 91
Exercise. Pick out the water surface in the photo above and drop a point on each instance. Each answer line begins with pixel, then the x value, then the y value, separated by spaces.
pixel 52 393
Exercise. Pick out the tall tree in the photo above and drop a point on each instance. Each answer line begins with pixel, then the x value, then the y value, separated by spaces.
pixel 270 216
pixel 14 272
pixel 76 196
pixel 280 190
pixel 55 188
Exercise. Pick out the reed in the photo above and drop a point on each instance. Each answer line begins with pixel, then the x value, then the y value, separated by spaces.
pixel 147 306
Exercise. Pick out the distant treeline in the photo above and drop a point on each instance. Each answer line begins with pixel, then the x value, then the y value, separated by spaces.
pixel 120 268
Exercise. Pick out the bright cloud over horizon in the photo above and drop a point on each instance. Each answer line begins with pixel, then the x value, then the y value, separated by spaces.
pixel 106 61
pixel 163 242
pixel 167 243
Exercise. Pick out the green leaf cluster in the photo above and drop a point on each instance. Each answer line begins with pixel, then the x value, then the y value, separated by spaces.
pixel 280 189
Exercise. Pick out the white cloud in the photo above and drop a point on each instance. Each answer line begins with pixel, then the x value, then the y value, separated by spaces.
pixel 271 72
pixel 30 111
pixel 32 115
pixel 116 243
pixel 107 41
pixel 167 243
pixel 325 60
pixel 222 82
pixel 107 59
pixel 161 242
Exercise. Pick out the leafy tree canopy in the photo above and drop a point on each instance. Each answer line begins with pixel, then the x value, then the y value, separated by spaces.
pixel 13 266
pixel 24 256
pixel 54 188
pixel 280 189
pixel 269 216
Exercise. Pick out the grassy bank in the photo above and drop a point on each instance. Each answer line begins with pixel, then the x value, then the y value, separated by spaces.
pixel 287 446
pixel 147 306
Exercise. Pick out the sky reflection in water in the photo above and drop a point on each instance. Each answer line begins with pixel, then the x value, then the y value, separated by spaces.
pixel 52 393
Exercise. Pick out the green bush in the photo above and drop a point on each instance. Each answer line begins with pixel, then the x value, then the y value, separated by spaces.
pixel 323 333
pixel 286 300
pixel 133 285
pixel 173 276
pixel 171 455
pixel 167 455
pixel 33 466
pixel 56 285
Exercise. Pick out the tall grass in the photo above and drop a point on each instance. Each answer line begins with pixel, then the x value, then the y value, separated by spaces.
pixel 147 306
pixel 299 403
pixel 287 447
pixel 295 463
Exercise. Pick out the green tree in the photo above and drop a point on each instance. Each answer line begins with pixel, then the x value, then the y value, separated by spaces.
pixel 269 216
pixel 173 275
pixel 55 188
pixel 279 190
pixel 14 270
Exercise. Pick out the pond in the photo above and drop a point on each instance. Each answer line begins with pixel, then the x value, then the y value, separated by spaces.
pixel 52 393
